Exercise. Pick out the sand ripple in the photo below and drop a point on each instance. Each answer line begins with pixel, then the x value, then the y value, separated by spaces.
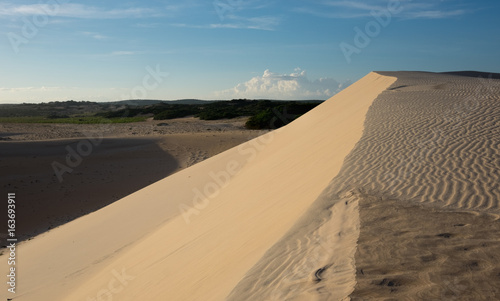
pixel 433 139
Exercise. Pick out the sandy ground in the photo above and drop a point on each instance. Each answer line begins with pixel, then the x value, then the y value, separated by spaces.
pixel 387 191
pixel 150 128
pixel 129 158
pixel 415 252
pixel 427 175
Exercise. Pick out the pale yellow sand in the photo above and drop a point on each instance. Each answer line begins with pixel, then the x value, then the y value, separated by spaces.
pixel 278 177
pixel 327 208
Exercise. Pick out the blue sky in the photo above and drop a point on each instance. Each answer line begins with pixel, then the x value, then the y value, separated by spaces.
pixel 55 50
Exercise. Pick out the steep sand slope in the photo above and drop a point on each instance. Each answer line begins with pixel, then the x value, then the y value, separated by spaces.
pixel 253 195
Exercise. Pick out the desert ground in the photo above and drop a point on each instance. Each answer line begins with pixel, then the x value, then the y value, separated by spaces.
pixel 123 159
pixel 387 191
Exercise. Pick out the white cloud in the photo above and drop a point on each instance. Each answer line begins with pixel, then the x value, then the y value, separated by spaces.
pixel 74 10
pixel 354 5
pixel 244 15
pixel 95 35
pixel 421 9
pixel 295 85
pixel 51 93
pixel 115 53
pixel 148 25
pixel 234 22
pixel 26 94
pixel 261 23
pixel 435 14
pixel 25 89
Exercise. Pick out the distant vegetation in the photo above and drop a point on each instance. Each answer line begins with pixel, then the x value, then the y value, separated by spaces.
pixel 278 114
pixel 263 114
pixel 52 109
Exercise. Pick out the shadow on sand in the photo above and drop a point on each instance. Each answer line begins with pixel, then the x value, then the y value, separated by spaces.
pixel 114 169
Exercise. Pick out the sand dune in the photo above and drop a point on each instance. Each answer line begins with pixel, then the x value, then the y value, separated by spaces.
pixel 425 175
pixel 387 190
pixel 431 138
pixel 146 235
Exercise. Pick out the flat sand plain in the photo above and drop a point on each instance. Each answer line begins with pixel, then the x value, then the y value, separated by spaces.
pixel 128 158
pixel 387 191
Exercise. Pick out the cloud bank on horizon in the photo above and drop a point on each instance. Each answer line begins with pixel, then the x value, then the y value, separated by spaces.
pixel 270 85
pixel 293 86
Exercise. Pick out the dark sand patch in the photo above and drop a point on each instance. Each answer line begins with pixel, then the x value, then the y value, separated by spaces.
pixel 113 170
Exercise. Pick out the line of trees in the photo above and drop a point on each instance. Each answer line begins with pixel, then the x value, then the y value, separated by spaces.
pixel 264 114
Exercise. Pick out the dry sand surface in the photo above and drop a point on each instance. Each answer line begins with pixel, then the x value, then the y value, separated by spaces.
pixel 387 191
pixel 416 252
pixel 130 157
pixel 150 128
